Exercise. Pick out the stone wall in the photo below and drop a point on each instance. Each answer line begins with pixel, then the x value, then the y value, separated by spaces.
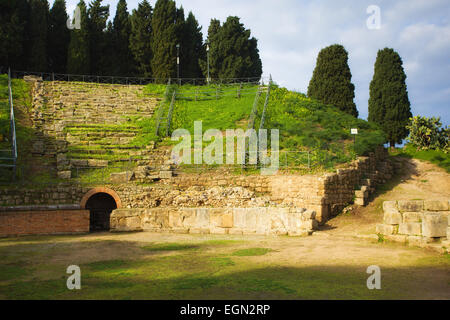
pixel 262 220
pixel 43 221
pixel 326 194
pixel 416 221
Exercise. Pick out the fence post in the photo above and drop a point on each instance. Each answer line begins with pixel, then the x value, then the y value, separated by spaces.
pixel 309 163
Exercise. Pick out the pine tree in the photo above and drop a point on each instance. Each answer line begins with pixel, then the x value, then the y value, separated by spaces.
pixel 164 40
pixel 38 26
pixel 58 37
pixel 78 57
pixel 13 22
pixel 389 105
pixel 98 42
pixel 192 48
pixel 331 80
pixel 121 37
pixel 140 37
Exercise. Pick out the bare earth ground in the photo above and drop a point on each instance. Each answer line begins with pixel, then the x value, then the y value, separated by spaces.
pixel 331 264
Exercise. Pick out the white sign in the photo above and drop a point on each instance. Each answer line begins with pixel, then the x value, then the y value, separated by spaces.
pixel 354 131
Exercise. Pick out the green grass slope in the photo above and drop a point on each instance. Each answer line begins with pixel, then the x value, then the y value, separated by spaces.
pixel 304 124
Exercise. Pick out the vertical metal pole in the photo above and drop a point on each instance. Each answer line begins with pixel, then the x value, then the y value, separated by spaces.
pixel 207 57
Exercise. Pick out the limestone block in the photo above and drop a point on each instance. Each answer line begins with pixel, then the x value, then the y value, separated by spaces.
pixel 361 193
pixel 97 163
pixel 410 205
pixel 397 238
pixel 392 217
pixel 448 233
pixel 79 162
pixel 360 201
pixel 415 240
pixel 434 225
pixel 386 229
pixel 412 217
pixel 436 205
pixel 227 220
pixel 410 228
pixel 120 177
pixel 389 206
pixel 309 215
pixel 239 218
pixel 165 174
pixel 64 174
pixel 202 218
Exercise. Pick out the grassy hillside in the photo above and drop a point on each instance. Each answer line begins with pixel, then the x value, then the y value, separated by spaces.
pixel 437 157
pixel 304 124
pixel 21 100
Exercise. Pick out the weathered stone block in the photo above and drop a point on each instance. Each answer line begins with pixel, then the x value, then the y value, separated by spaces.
pixel 120 177
pixel 412 217
pixel 309 215
pixel 410 205
pixel 397 238
pixel 389 205
pixel 386 229
pixel 360 201
pixel 448 233
pixel 97 163
pixel 361 193
pixel 410 228
pixel 434 225
pixel 227 220
pixel 165 174
pixel 436 205
pixel 64 174
pixel 392 217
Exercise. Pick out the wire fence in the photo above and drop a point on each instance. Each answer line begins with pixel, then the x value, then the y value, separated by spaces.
pixel 104 79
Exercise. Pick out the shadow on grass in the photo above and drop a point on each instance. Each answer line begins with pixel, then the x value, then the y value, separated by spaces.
pixel 201 274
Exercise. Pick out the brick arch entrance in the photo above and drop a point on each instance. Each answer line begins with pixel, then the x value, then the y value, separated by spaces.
pixel 100 202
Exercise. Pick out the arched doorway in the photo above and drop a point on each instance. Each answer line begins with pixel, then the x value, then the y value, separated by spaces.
pixel 100 206
pixel 100 202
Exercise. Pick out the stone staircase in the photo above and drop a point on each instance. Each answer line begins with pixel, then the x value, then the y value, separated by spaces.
pixel 84 126
pixel 368 184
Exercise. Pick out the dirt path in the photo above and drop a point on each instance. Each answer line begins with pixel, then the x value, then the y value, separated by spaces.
pixel 416 180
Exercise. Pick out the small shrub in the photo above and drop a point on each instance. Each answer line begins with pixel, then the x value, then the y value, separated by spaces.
pixel 428 134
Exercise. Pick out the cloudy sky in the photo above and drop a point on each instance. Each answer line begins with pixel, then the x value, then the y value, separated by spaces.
pixel 291 33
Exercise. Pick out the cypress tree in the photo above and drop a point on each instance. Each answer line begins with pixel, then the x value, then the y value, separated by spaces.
pixel 233 54
pixel 38 26
pixel 389 105
pixel 78 57
pixel 164 40
pixel 121 37
pixel 215 55
pixel 180 25
pixel 192 48
pixel 13 22
pixel 58 37
pixel 98 41
pixel 140 37
pixel 331 80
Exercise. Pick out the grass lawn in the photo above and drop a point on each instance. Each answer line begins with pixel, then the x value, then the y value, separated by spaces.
pixel 167 266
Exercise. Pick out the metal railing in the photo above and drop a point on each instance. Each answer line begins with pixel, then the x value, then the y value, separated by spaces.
pixel 13 152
